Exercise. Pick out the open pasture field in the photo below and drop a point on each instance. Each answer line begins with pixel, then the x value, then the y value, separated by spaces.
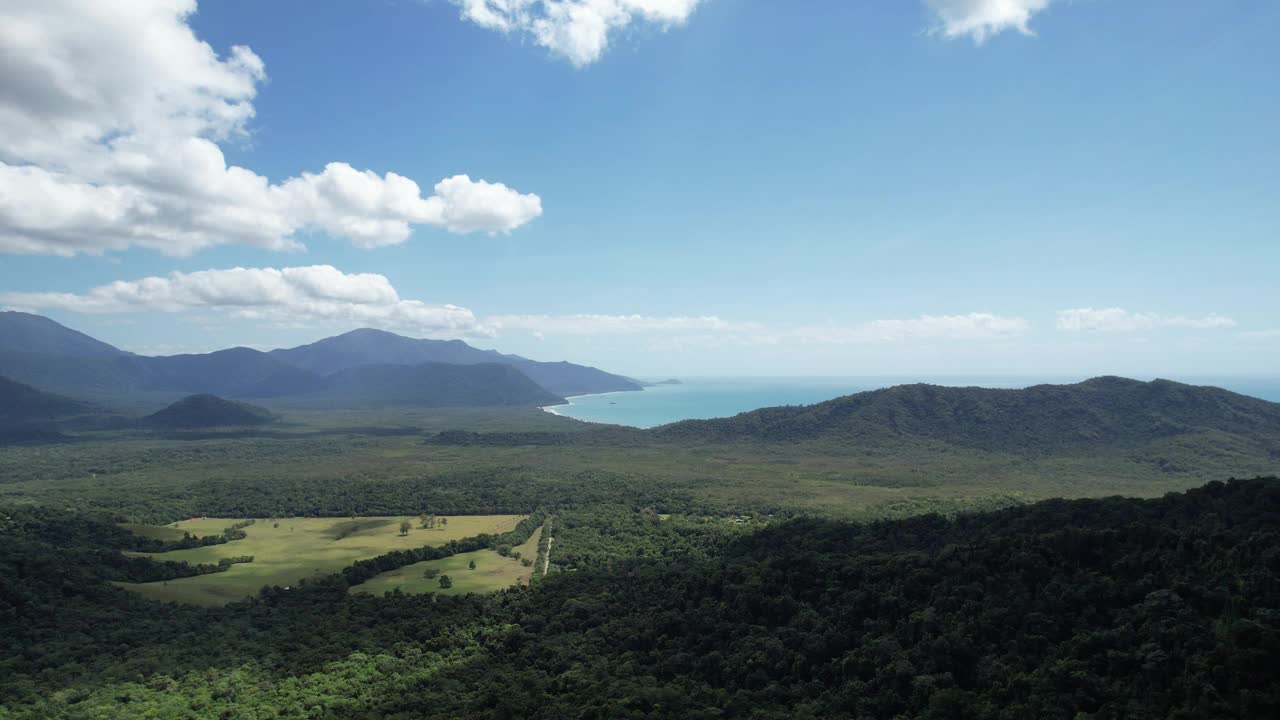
pixel 286 550
pixel 493 572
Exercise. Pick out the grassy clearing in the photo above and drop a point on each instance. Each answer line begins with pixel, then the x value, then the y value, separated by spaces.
pixel 286 550
pixel 492 572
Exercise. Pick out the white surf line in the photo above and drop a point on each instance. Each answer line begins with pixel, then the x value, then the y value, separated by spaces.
pixel 552 408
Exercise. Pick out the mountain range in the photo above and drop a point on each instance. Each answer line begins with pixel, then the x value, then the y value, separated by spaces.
pixel 362 367
pixel 379 347
pixel 42 363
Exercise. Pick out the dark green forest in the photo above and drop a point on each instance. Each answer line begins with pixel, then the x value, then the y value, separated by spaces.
pixel 1104 608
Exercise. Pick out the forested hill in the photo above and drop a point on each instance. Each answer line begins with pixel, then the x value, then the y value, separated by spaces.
pixel 1104 411
pixel 203 411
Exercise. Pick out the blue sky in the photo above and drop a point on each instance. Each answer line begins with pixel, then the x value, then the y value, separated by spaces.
pixel 726 187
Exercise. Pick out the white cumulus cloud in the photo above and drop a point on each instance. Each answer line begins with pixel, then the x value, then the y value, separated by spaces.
pixel 980 19
pixel 1118 320
pixel 111 120
pixel 578 30
pixel 322 295
pixel 294 295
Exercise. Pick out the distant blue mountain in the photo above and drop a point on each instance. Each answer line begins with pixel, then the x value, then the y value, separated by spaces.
pixel 39 335
pixel 39 352
pixel 378 347
pixel 431 385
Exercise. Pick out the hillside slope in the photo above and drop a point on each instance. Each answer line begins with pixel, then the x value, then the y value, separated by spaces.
pixel 238 372
pixel 24 332
pixel 432 385
pixel 203 410
pixel 1102 412
pixel 566 378
pixel 21 403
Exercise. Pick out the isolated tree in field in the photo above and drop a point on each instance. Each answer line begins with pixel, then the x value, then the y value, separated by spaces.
pixel 472 565
pixel 430 573
pixel 444 522
pixel 404 528
pixel 446 581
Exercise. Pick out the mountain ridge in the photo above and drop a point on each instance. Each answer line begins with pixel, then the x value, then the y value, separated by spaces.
pixel 42 353
pixel 42 335
pixel 369 346
pixel 1103 411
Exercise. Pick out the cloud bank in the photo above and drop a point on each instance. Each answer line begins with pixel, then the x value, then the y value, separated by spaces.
pixel 1119 320
pixel 326 296
pixel 577 30
pixel 980 19
pixel 293 295
pixel 111 119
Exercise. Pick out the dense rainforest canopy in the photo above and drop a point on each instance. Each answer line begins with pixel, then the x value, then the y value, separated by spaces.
pixel 1164 608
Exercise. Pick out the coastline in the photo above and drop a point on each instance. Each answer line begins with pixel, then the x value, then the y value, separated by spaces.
pixel 569 401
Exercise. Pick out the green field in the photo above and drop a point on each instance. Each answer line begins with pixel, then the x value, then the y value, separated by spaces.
pixel 493 572
pixel 286 550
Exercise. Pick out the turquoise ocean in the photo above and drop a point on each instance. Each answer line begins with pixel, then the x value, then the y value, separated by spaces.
pixel 708 397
